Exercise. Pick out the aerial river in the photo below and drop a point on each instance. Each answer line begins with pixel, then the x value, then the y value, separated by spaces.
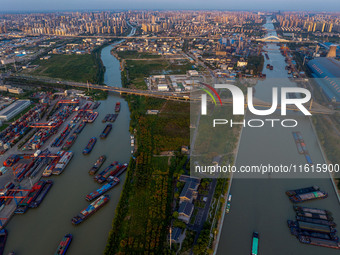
pixel 260 204
pixel 39 231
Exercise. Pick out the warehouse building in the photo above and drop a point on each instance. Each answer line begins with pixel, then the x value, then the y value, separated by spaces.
pixel 13 109
pixel 327 74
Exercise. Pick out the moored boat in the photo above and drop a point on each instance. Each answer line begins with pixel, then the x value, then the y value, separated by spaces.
pixel 102 189
pixel 97 164
pixel 63 162
pixel 42 194
pixel 91 209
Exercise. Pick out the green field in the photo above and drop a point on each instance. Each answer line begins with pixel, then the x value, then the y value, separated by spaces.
pixel 80 68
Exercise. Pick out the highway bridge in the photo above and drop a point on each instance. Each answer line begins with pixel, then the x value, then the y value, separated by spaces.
pixel 186 96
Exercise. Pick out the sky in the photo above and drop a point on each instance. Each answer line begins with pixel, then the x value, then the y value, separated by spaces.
pixel 261 5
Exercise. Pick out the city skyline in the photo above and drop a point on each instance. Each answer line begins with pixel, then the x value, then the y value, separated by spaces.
pixel 261 5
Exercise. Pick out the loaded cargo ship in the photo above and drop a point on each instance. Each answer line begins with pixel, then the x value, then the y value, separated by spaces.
pixel 315 215
pixel 311 210
pixel 70 141
pixel 111 172
pixel 301 191
pixel 316 221
pixel 41 196
pixel 308 196
pixel 90 146
pixel 97 165
pixel 63 245
pixel 106 131
pixel 48 170
pixel 108 169
pixel 319 242
pixel 63 162
pixel 102 189
pixel 80 128
pixel 92 117
pixel 91 209
pixel 117 107
pixel 32 195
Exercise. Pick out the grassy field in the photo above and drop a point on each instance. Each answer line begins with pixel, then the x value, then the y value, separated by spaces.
pixel 81 68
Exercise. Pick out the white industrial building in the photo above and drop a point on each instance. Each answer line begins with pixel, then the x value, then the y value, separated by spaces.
pixel 163 87
pixel 13 109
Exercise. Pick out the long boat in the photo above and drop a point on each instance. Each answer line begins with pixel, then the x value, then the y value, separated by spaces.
pixel 41 196
pixel 102 189
pixel 311 210
pixel 308 196
pixel 302 191
pixel 319 242
pixel 91 209
pixel 316 221
pixel 90 146
pixel 117 107
pixel 63 162
pixel 106 131
pixel 3 239
pixel 63 245
pixel 255 244
pixel 70 141
pixel 314 215
pixel 97 165
pixel 32 195
pixel 80 128
pixel 100 177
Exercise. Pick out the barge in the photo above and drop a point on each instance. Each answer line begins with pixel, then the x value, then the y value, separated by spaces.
pixel 3 239
pixel 90 146
pixel 64 244
pixel 117 107
pixel 97 165
pixel 91 209
pixel 255 244
pixel 80 128
pixel 315 216
pixel 316 221
pixel 62 163
pixel 106 131
pixel 319 242
pixel 311 210
pixel 31 196
pixel 308 196
pixel 302 191
pixel 102 189
pixel 41 196
pixel 69 142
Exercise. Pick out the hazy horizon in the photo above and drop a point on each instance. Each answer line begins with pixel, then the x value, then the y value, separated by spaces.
pixel 100 5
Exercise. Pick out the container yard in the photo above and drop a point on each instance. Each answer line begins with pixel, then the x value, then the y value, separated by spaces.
pixel 40 132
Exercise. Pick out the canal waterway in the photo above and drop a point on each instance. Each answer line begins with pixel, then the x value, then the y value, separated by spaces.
pixel 260 204
pixel 39 231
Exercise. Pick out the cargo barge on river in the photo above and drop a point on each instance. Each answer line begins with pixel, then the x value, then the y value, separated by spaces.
pixel 91 209
pixel 102 189
pixel 90 146
pixel 64 244
pixel 106 131
pixel 97 165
